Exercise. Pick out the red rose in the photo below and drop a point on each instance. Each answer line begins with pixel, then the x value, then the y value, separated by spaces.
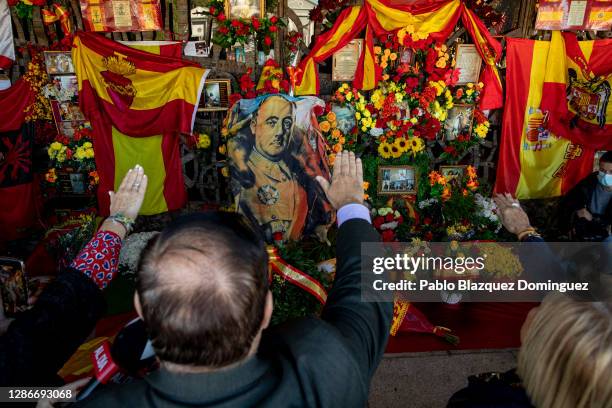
pixel 389 217
pixel 428 236
pixel 223 30
pixel 318 110
pixel 273 20
pixel 273 29
pixel 221 17
pixel 236 23
pixel 212 10
pixel 277 236
pixel 267 41
pixel 388 235
pixel 255 22
pixel 378 221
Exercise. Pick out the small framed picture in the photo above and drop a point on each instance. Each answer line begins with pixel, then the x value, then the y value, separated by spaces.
pixel 406 55
pixel 453 173
pixel 596 158
pixel 201 23
pixel 216 94
pixel 64 88
pixel 13 286
pixel 459 121
pixel 397 180
pixel 344 61
pixel 468 62
pixel 245 9
pixel 197 49
pixel 58 62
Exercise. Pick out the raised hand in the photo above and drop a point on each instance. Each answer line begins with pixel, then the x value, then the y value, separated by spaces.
pixel 128 199
pixel 347 181
pixel 510 213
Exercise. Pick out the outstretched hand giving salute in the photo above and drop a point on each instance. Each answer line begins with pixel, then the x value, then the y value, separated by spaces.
pixel 347 181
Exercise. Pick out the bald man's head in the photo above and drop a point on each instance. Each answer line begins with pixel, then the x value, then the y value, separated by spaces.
pixel 202 286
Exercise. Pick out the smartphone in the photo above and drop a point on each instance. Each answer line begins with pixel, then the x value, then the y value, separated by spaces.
pixel 13 286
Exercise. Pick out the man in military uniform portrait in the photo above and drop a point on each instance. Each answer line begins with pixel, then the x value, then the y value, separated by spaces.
pixel 274 169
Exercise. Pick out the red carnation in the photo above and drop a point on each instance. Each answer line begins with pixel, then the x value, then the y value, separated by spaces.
pixel 378 222
pixel 221 17
pixel 273 29
pixel 236 23
pixel 223 30
pixel 277 236
pixel 273 20
pixel 389 217
pixel 267 41
pixel 388 236
pixel 212 10
pixel 318 110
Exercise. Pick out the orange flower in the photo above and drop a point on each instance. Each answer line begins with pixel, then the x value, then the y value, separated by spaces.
pixel 471 172
pixel 446 193
pixel 336 133
pixel 472 185
pixel 366 185
pixel 332 159
pixel 325 126
pixel 331 116
pixel 337 148
pixel 436 178
pixel 465 192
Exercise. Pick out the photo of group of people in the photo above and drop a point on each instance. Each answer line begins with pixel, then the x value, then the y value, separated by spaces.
pixel 396 180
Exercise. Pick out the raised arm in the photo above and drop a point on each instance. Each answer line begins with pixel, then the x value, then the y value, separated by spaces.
pixel 39 341
pixel 364 325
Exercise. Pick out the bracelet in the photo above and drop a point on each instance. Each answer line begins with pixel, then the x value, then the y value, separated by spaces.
pixel 127 222
pixel 527 232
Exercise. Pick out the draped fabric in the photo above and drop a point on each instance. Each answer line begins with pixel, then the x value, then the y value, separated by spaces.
pixel 533 162
pixel 436 18
pixel 579 74
pixel 138 103
pixel 18 193
pixel 7 47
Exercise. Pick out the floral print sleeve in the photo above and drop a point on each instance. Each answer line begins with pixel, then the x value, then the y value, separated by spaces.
pixel 99 259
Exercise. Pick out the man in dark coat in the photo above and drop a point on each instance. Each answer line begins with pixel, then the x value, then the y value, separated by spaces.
pixel 203 294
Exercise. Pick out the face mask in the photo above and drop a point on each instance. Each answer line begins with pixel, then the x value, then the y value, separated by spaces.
pixel 604 179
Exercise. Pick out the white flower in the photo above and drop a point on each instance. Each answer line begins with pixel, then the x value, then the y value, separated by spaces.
pixel 427 203
pixel 132 248
pixel 376 131
pixel 389 225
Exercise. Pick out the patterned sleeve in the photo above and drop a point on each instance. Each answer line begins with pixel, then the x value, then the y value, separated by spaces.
pixel 99 259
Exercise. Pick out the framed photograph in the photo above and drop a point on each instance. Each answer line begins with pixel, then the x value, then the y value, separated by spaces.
pixel 68 117
pixel 345 61
pixel 452 173
pixel 58 62
pixel 197 49
pixel 245 8
pixel 345 116
pixel 64 88
pixel 13 286
pixel 468 63
pixel 596 158
pixel 216 94
pixel 200 23
pixel 516 17
pixel 397 180
pixel 406 55
pixel 459 121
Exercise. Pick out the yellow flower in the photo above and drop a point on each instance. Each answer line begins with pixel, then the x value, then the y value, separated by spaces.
pixel 384 65
pixel 470 85
pixel 395 152
pixel 384 150
pixel 393 56
pixel 387 52
pixel 357 115
pixel 441 63
pixel 349 96
pixel 336 133
pixel 331 116
pixel 402 144
pixel 324 126
pixel 223 149
pixel 399 97
pixel 414 120
pixel 203 141
pixel 401 34
pixel 87 144
pixel 337 148
pixel 56 146
pixel 385 77
pixel 416 145
pixel 332 159
pixel 377 50
pixel 469 92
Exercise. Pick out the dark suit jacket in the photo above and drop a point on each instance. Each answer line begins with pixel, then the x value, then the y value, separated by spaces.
pixel 314 362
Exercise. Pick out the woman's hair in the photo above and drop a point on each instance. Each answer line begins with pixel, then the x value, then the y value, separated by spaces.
pixel 566 356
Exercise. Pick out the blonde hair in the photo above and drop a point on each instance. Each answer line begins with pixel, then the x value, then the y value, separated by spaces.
pixel 566 356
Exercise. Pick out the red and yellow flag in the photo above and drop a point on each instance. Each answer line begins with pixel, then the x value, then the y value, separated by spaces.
pixel 533 162
pixel 137 103
pixel 577 90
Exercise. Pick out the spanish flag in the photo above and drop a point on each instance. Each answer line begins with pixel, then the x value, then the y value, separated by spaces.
pixel 577 90
pixel 138 103
pixel 534 162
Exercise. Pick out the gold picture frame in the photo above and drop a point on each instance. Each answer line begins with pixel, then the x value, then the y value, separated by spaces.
pixel 345 60
pixel 245 9
pixel 397 180
pixel 469 62
pixel 215 95
pixel 452 172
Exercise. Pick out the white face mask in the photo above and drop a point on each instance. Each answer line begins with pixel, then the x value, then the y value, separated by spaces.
pixel 604 179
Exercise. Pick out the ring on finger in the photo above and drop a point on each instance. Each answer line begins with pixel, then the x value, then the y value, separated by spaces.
pixel 517 205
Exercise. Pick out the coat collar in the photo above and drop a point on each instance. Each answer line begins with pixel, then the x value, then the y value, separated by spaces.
pixel 213 386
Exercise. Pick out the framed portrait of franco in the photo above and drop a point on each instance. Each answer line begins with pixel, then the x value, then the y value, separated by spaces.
pixel 275 153
pixel 245 8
